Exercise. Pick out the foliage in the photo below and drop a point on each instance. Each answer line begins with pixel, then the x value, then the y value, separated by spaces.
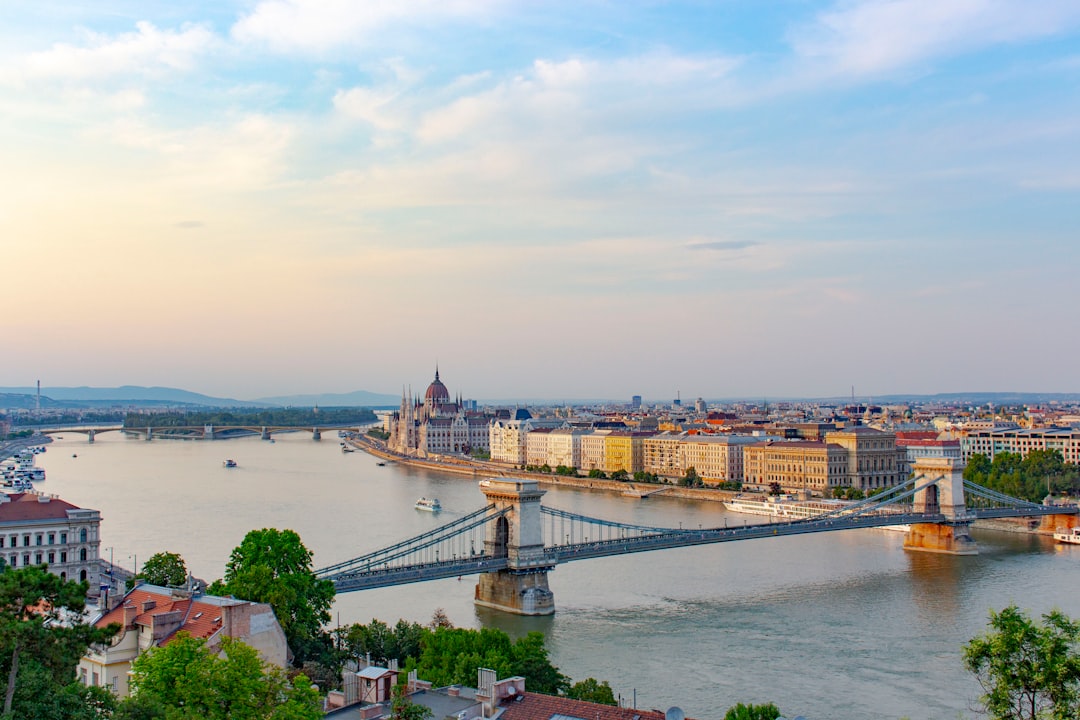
pixel 401 708
pixel 1029 670
pixel 440 620
pixel 619 475
pixel 379 434
pixel 593 691
pixel 642 476
pixel 566 470
pixel 451 656
pixel 478 453
pixel 38 696
pixel 691 478
pixel 186 680
pixel 33 605
pixel 846 492
pixel 597 473
pixel 294 417
pixel 752 712
pixel 382 643
pixel 164 569
pixel 1032 477
pixel 274 567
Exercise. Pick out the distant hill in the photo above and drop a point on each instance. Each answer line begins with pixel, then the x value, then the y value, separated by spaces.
pixel 358 398
pixel 133 395
pixel 125 395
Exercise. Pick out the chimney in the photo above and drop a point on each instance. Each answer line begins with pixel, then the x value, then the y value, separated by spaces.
pixel 148 605
pixel 130 612
pixel 43 498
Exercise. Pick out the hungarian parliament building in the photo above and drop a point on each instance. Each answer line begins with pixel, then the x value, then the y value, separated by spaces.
pixel 437 424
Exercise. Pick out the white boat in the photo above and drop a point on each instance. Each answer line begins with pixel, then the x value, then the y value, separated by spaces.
pixel 1070 536
pixel 783 506
pixel 431 505
pixel 787 507
pixel 229 463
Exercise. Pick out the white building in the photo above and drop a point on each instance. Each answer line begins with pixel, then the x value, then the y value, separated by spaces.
pixel 36 528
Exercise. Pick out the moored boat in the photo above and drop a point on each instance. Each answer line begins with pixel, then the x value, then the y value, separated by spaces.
pixel 1069 536
pixel 430 505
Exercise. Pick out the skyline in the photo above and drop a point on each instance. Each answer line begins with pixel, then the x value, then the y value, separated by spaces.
pixel 280 197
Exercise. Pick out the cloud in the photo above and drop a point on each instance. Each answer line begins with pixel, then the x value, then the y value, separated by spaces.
pixel 870 37
pixel 148 51
pixel 319 26
pixel 723 245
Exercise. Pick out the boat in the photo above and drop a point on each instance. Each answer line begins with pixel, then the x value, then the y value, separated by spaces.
pixel 229 463
pixel 381 464
pixel 790 508
pixel 346 448
pixel 431 505
pixel 1069 536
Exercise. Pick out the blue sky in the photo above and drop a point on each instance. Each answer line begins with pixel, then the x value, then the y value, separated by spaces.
pixel 560 200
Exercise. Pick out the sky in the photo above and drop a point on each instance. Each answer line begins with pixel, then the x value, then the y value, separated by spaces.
pixel 545 199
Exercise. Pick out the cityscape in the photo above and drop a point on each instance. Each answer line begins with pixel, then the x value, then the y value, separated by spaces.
pixel 540 361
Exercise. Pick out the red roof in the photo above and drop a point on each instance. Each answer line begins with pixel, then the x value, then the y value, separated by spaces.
pixel 533 706
pixel 200 619
pixel 29 506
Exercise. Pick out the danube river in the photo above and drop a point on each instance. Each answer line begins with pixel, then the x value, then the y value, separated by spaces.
pixel 838 626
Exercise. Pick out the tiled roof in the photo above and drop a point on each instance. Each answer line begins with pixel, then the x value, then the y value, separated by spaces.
pixel 200 619
pixel 533 706
pixel 28 506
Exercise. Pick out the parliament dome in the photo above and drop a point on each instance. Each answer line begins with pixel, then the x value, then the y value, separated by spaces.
pixel 436 391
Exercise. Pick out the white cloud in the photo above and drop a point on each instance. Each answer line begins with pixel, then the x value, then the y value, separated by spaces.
pixel 317 26
pixel 146 51
pixel 878 36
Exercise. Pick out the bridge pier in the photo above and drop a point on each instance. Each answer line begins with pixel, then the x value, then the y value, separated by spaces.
pixel 521 589
pixel 208 432
pixel 90 436
pixel 316 434
pixel 149 433
pixel 946 496
pixel 265 433
pixel 1051 524
pixel 945 538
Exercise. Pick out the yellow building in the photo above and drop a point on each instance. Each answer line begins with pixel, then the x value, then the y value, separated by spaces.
pixel 624 451
pixel 872 457
pixel 795 465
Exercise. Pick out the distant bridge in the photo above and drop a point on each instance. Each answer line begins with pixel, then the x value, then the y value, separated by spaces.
pixel 199 432
pixel 514 541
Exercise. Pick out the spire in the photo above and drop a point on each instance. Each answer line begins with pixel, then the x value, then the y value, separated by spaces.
pixel 436 372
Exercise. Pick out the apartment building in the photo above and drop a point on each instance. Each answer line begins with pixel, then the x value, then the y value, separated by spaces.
pixel 36 528
pixel 1013 439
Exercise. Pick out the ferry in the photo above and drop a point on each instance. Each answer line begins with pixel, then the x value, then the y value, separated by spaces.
pixel 431 505
pixel 1070 536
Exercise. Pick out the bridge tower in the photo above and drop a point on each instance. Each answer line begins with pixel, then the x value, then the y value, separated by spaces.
pixel 522 588
pixel 946 496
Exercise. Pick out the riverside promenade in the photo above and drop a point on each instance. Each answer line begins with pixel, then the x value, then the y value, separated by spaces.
pixel 481 468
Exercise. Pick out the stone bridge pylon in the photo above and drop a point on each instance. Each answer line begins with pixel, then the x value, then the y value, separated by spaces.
pixel 522 588
pixel 945 496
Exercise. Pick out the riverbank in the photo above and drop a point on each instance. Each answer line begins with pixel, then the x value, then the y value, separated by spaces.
pixel 479 468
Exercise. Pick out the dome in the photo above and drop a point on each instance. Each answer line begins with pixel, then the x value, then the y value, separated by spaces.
pixel 436 391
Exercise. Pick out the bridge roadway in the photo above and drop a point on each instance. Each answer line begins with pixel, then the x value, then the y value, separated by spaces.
pixel 377 577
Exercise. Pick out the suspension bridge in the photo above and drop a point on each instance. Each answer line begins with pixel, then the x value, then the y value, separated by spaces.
pixel 514 541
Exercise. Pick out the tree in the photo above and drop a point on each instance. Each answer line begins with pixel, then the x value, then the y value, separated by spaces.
pixel 619 475
pixel 401 708
pixel 439 619
pixel 186 680
pixel 164 569
pixel 34 605
pixel 274 567
pixel 752 712
pixel 593 691
pixel 597 473
pixel 1028 670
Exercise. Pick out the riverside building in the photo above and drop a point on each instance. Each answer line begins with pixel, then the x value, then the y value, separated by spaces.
pixel 36 528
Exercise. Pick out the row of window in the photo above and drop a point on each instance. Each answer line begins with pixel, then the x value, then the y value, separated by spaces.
pixel 40 557
pixel 40 539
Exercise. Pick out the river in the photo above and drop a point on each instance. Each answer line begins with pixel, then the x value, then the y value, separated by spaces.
pixel 838 626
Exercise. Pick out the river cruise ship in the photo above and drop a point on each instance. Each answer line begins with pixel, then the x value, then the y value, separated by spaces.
pixel 1070 536
pixel 783 506
pixel 431 505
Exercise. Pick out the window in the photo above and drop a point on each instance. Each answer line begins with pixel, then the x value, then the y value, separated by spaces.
pixel 37 558
pixel 63 538
pixel 52 557
pixel 39 539
pixel 26 559
pixel 82 555
pixel 63 556
pixel 1 541
pixel 52 539
pixel 82 535
pixel 26 540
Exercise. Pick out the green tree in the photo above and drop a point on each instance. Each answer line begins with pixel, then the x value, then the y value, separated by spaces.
pixel 33 605
pixel 593 691
pixel 597 473
pixel 752 712
pixel 186 680
pixel 1028 670
pixel 619 475
pixel 401 708
pixel 274 567
pixel 164 569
